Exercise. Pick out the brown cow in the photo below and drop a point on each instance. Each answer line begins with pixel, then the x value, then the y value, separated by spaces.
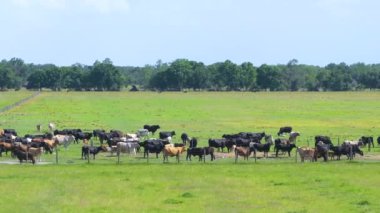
pixel 172 151
pixel 306 153
pixel 241 151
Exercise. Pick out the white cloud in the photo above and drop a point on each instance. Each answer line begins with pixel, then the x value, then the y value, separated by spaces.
pixel 101 6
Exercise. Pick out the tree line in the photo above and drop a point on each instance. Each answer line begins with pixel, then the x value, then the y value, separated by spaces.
pixel 183 74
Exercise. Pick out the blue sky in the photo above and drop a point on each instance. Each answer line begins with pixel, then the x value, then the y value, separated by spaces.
pixel 139 32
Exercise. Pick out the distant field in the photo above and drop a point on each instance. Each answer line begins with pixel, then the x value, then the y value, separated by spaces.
pixel 8 98
pixel 270 185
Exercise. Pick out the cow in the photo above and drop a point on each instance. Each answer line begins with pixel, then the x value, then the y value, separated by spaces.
pixel 51 126
pixel 193 143
pixel 321 150
pixel 200 152
pixel 151 128
pixel 166 135
pixel 91 150
pixel 284 147
pixel 172 151
pixel 152 146
pixel 64 140
pixel 262 147
pixel 367 140
pixel 23 155
pixel 217 143
pixel 5 146
pixel 96 132
pixel 10 131
pixel 306 153
pixel 245 152
pixel 324 139
pixel 83 136
pixel 378 140
pixel 185 138
pixel 142 133
pixel 127 147
pixel 36 152
pixel 285 129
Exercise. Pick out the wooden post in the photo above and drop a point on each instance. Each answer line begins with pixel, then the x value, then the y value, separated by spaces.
pixel 204 155
pixel 118 155
pixel 255 154
pixel 296 153
pixel 27 153
pixel 338 141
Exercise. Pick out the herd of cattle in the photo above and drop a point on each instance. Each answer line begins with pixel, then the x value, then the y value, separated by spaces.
pixel 244 144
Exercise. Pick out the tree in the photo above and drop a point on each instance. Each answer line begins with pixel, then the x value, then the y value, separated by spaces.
pixel 105 76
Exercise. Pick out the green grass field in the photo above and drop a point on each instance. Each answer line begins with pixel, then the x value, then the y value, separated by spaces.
pixel 269 185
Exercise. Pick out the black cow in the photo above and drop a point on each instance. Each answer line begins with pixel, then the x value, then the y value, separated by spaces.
pixel 260 148
pixel 253 136
pixel 152 146
pixel 96 132
pixel 285 129
pixel 201 153
pixel 346 149
pixel 83 136
pixel 217 143
pixel 193 143
pixel 185 138
pixel 321 150
pixel 284 148
pixel 324 139
pixel 116 133
pixel 151 128
pixel 92 150
pixel 368 140
pixel 243 142
pixel 10 131
pixel 23 156
pixel 165 135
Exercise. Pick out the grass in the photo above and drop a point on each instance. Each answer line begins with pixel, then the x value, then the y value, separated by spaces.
pixel 269 185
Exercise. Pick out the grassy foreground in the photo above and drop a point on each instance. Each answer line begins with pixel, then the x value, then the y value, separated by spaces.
pixel 335 187
pixel 270 185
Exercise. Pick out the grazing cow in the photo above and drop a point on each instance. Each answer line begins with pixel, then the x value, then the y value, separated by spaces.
pixel 91 150
pixel 36 152
pixel 217 143
pixel 127 147
pixel 200 152
pixel 193 143
pixel 185 138
pixel 83 136
pixel 285 129
pixel 324 139
pixel 172 151
pixel 245 152
pixel 321 150
pixel 64 140
pixel 367 140
pixel 378 140
pixel 23 155
pixel 165 135
pixel 306 153
pixel 151 128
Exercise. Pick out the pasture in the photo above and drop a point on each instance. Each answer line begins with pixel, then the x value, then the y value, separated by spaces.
pixel 270 185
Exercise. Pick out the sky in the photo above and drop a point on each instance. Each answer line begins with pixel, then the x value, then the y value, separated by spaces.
pixel 140 32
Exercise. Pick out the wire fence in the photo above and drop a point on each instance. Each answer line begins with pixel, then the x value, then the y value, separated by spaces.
pixel 18 103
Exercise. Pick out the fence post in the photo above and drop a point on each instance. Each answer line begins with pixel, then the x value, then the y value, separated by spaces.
pixel 296 153
pixel 338 141
pixel 255 155
pixel 56 154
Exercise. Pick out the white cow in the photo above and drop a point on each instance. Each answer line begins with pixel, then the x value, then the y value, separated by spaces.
pixel 123 147
pixel 64 140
